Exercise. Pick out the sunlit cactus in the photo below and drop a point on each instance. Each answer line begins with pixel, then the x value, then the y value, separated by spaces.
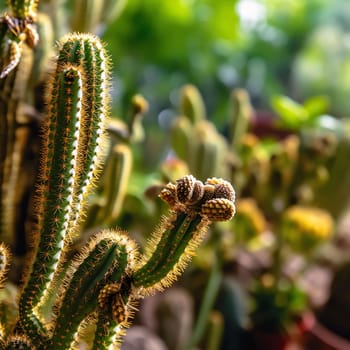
pixel 241 116
pixel 100 288
pixel 192 104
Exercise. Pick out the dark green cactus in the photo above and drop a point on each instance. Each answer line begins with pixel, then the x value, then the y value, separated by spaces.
pixel 99 289
pixel 241 115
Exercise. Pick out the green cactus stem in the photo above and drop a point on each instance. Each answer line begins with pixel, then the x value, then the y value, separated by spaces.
pixel 114 316
pixel 77 102
pixel 105 262
pixel 241 115
pixel 194 206
pixel 119 170
pixel 181 136
pixel 196 140
pixel 192 104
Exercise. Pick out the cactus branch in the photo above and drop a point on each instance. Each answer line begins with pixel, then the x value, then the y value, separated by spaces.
pixel 107 259
pixel 194 206
pixel 70 160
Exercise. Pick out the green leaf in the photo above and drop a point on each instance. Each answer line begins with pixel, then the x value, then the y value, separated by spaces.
pixel 316 106
pixel 292 114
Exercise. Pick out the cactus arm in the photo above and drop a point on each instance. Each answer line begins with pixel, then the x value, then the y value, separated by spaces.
pixel 105 261
pixel 56 198
pixel 192 104
pixel 113 319
pixel 241 115
pixel 181 137
pixel 169 251
pixel 195 205
pixel 108 333
pixel 118 170
pixel 70 160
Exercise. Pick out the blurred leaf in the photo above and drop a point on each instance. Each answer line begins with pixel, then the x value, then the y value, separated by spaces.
pixel 292 114
pixel 316 106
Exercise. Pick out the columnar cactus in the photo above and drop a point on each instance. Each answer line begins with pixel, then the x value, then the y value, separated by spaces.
pixel 71 157
pixel 196 140
pixel 98 290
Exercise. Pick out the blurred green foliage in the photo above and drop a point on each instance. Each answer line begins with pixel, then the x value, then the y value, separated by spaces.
pixel 267 47
pixel 216 45
pixel 159 46
pixel 294 48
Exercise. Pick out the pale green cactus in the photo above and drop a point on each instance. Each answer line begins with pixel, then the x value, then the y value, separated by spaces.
pixel 196 140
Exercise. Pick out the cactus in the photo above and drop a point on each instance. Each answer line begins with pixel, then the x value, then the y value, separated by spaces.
pixel 195 139
pixel 96 292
